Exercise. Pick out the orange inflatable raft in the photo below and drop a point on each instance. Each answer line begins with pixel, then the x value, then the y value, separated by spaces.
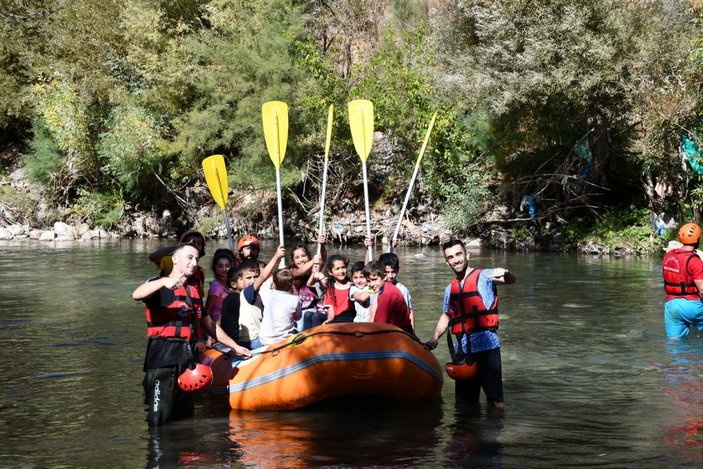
pixel 331 360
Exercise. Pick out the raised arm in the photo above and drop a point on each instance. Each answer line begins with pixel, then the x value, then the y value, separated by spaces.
pixel 305 269
pixel 156 256
pixel 145 290
pixel 266 272
pixel 362 296
pixel 502 276
pixel 315 275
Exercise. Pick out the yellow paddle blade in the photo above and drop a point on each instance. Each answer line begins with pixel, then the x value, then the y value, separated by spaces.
pixel 216 178
pixel 330 119
pixel 361 123
pixel 274 115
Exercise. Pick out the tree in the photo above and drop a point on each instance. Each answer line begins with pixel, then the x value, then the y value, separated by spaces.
pixel 557 85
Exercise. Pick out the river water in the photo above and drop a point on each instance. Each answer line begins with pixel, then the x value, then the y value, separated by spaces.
pixel 590 379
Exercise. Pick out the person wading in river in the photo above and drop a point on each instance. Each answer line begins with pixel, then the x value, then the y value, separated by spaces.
pixel 173 313
pixel 471 310
pixel 682 270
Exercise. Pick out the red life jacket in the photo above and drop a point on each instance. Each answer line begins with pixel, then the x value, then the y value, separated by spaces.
pixel 469 313
pixel 178 319
pixel 678 283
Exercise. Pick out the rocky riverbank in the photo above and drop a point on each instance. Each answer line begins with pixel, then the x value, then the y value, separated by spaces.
pixel 255 212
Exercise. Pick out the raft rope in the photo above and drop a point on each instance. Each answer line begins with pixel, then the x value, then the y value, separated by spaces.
pixel 301 337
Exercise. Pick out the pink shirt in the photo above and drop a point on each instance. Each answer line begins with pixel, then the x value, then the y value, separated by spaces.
pixel 220 292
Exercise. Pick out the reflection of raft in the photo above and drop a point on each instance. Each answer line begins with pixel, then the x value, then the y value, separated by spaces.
pixel 327 361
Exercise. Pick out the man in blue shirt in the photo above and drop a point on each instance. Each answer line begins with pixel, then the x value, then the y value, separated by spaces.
pixel 471 310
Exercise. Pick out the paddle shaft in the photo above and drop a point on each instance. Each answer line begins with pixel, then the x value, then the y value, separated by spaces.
pixel 412 180
pixel 280 214
pixel 405 205
pixel 229 231
pixel 321 231
pixel 366 204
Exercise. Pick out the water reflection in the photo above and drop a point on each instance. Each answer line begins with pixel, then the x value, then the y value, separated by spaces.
pixel 342 432
pixel 474 437
pixel 683 393
pixel 188 443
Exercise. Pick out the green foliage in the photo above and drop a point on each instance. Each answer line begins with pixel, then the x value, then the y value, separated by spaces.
pixel 467 194
pixel 401 93
pixel 65 116
pixel 209 226
pixel 120 92
pixel 131 147
pixel 629 227
pixel 99 209
pixel 19 45
pixel 16 204
pixel 534 76
pixel 243 60
pixel 45 163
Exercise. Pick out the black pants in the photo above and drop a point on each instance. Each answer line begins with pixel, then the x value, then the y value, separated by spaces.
pixel 165 400
pixel 312 318
pixel 490 378
pixel 347 316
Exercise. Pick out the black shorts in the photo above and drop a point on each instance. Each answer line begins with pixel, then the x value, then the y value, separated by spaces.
pixel 490 378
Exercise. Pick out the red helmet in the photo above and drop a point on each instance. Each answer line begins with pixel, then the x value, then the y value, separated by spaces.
pixel 197 378
pixel 690 233
pixel 462 371
pixel 248 240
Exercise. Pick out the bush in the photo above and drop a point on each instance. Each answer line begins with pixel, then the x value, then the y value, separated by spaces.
pixel 467 200
pixel 630 227
pixel 45 162
pixel 16 206
pixel 99 209
pixel 130 149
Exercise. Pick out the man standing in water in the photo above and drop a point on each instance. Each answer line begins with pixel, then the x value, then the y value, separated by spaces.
pixel 682 270
pixel 173 313
pixel 471 310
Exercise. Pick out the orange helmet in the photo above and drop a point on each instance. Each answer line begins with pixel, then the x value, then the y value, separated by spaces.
pixel 690 233
pixel 462 371
pixel 248 240
pixel 197 378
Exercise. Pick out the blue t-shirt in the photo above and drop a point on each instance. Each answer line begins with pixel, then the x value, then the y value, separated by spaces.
pixel 484 340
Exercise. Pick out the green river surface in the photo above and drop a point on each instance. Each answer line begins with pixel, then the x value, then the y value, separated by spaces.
pixel 590 378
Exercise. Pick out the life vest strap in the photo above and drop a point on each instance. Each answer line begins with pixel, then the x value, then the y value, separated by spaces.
pixel 464 316
pixel 681 285
pixel 169 323
pixel 462 294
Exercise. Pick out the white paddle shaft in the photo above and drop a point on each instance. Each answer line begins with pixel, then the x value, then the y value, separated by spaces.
pixel 368 211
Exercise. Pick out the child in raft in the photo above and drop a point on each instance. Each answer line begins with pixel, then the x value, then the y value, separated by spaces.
pixel 229 317
pixel 305 269
pixel 222 261
pixel 339 307
pixel 391 265
pixel 245 303
pixel 389 306
pixel 359 293
pixel 281 308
